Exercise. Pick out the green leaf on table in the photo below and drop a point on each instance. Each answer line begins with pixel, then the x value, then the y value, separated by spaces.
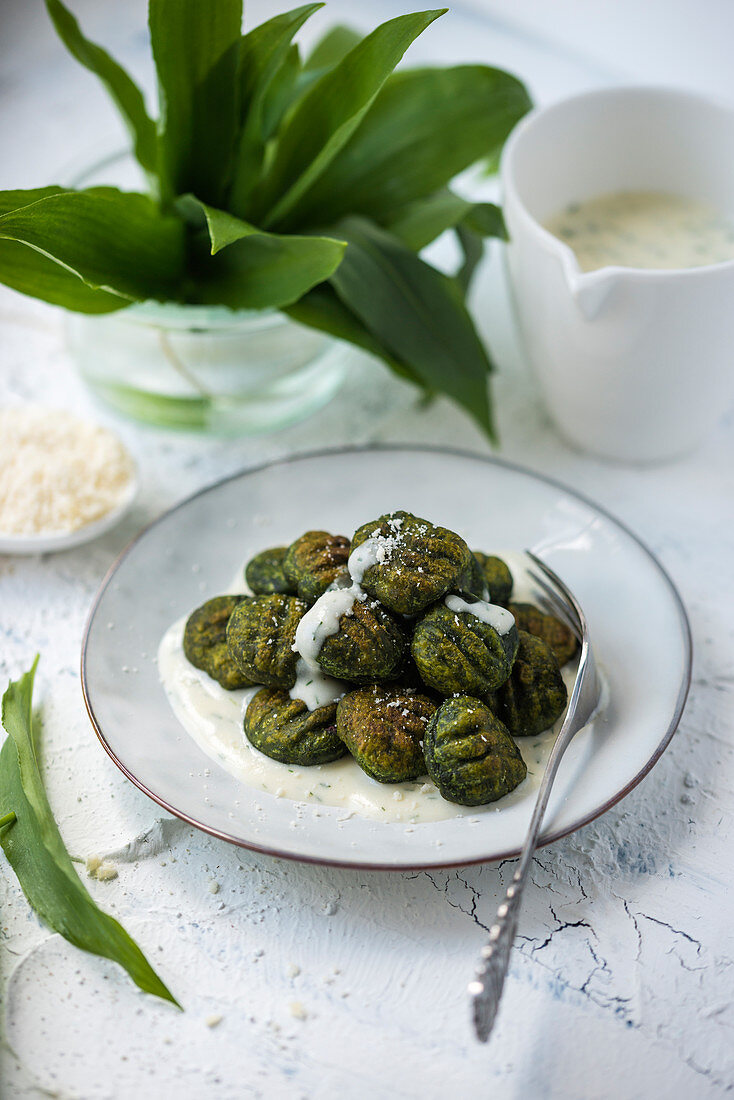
pixel 113 240
pixel 32 843
pixel 196 49
pixel 324 119
pixel 424 127
pixel 417 313
pixel 252 269
pixel 332 48
pixel 122 88
pixel 264 51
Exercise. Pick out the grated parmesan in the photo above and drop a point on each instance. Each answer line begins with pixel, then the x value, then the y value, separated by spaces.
pixel 57 473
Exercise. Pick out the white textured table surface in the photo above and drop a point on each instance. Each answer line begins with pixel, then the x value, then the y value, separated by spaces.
pixel 330 982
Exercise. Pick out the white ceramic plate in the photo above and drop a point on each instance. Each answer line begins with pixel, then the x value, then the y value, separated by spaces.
pixel 637 623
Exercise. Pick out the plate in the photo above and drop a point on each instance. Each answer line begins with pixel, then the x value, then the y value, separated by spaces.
pixel 636 619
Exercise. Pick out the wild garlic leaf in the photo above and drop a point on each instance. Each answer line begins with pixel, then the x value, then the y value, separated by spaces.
pixel 417 313
pixel 336 43
pixel 30 272
pixel 420 222
pixel 282 92
pixel 322 309
pixel 252 269
pixel 424 127
pixel 332 48
pixel 121 87
pixel 196 49
pixel 472 249
pixel 327 52
pixel 17 199
pixel 113 240
pixel 36 852
pixel 484 219
pixel 330 111
pixel 263 53
pixel 487 220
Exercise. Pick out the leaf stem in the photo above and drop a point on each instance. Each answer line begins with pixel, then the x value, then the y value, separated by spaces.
pixel 179 366
pixel 8 819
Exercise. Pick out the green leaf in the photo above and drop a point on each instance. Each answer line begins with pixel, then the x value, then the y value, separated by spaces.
pixel 252 269
pixel 29 272
pixel 483 219
pixel 487 220
pixel 491 165
pixel 330 111
pixel 196 47
pixel 321 309
pixel 16 200
pixel 261 52
pixel 124 91
pixel 420 222
pixel 397 155
pixel 282 92
pixel 36 852
pixel 264 52
pixel 332 48
pixel 113 240
pixel 472 247
pixel 335 45
pixel 417 313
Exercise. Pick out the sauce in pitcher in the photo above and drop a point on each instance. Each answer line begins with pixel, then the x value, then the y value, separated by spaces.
pixel 644 229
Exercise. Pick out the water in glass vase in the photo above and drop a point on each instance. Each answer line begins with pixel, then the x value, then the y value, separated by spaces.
pixel 202 368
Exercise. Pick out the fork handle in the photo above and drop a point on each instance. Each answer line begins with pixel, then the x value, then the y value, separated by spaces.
pixel 486 990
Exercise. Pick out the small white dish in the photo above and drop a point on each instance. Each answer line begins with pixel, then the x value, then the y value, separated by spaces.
pixel 637 622
pixel 66 540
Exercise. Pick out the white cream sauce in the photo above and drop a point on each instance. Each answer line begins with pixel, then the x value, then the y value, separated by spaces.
pixel 214 719
pixel 644 229
pixel 322 620
pixel 499 618
pixel 314 688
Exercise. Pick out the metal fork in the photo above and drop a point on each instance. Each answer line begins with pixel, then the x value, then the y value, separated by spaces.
pixel 486 989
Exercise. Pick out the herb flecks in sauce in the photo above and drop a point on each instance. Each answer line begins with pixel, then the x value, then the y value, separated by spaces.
pixel 644 229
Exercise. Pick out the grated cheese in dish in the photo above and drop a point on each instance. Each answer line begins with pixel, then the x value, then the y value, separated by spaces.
pixel 58 473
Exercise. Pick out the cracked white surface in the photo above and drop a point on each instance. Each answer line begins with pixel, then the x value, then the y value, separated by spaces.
pixel 621 982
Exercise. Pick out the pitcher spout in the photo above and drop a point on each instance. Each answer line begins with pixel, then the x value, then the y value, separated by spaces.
pixel 590 291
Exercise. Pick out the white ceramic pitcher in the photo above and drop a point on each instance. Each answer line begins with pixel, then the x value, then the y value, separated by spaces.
pixel 633 364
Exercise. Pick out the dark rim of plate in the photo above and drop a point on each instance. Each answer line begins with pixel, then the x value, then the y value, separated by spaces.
pixel 455 452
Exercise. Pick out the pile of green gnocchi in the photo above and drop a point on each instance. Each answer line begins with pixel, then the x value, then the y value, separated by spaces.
pixel 400 646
